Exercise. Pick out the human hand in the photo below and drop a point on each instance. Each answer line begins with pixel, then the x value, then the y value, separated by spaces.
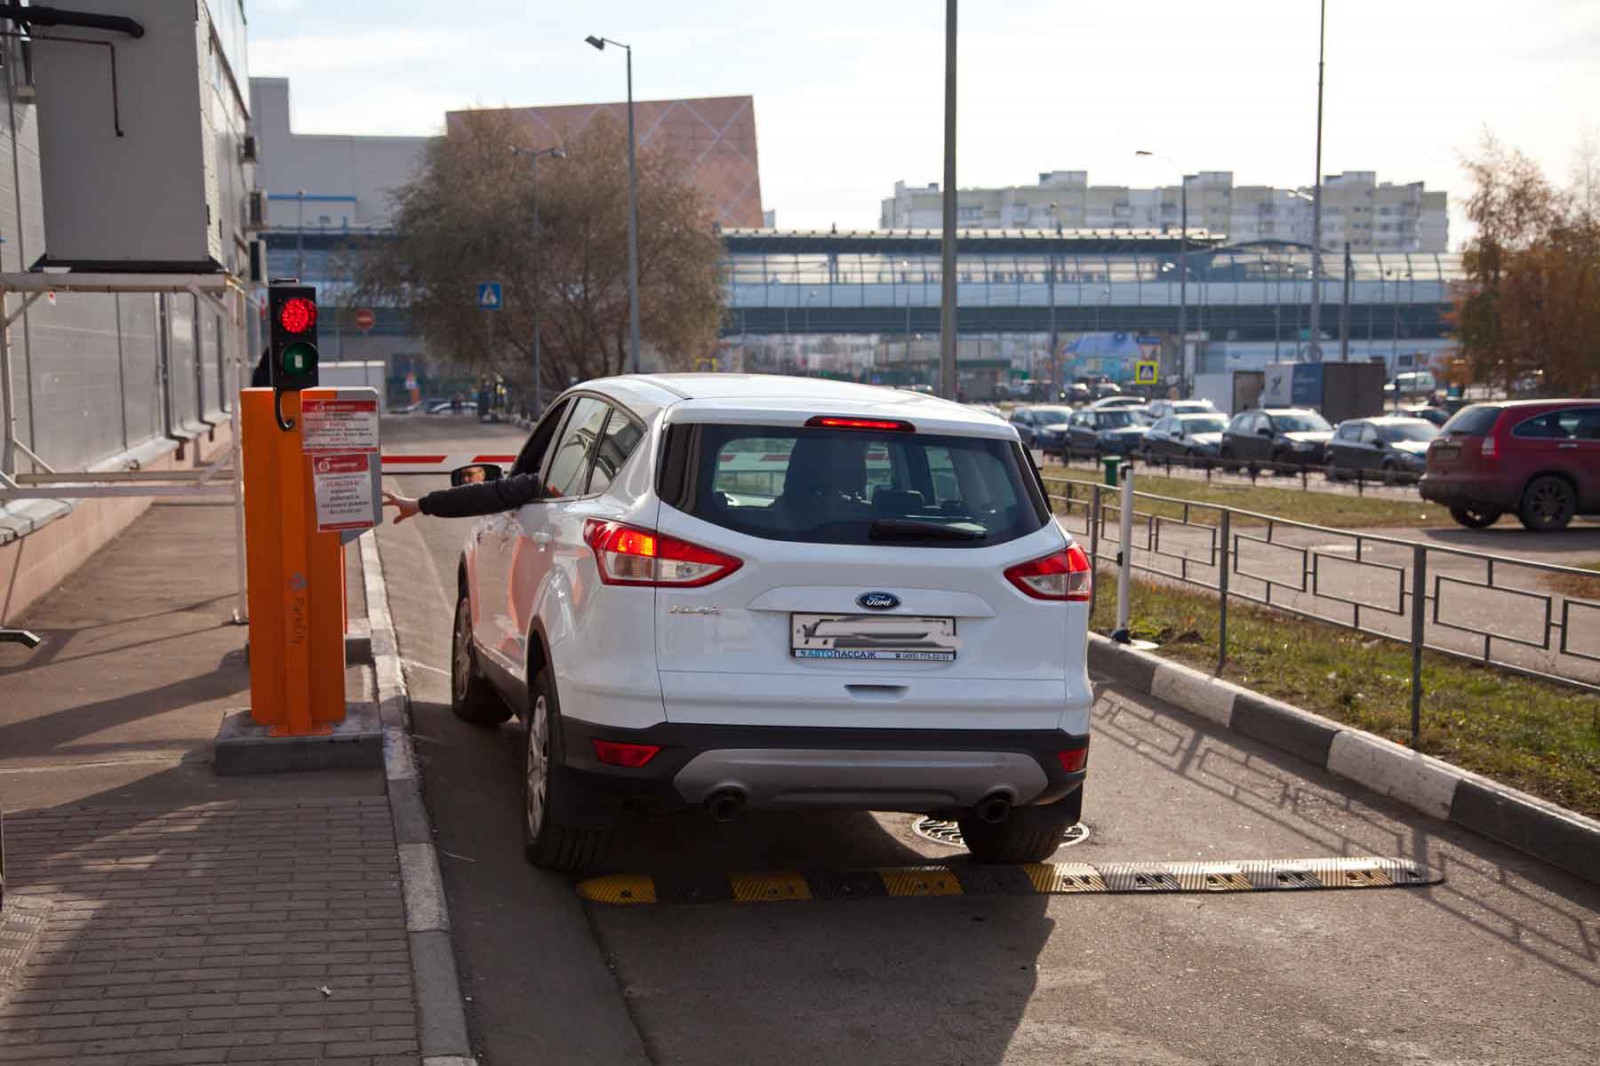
pixel 404 505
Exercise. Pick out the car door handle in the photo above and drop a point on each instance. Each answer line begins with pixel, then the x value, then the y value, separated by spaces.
pixel 1565 447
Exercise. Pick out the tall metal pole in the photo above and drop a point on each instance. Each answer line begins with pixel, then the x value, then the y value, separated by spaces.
pixel 633 225
pixel 947 287
pixel 1314 349
pixel 1184 377
pixel 300 240
pixel 1344 310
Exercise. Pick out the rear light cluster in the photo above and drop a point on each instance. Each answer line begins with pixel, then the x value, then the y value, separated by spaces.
pixel 630 556
pixel 888 425
pixel 617 753
pixel 1489 447
pixel 1074 760
pixel 1065 575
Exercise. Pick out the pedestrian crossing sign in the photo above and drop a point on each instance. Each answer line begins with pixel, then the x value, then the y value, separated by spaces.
pixel 489 296
pixel 1145 372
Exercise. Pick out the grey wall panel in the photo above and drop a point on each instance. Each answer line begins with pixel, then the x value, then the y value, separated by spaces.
pixel 141 366
pixel 211 376
pixel 74 371
pixel 181 391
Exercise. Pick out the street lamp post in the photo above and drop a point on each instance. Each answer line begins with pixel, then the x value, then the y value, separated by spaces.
pixel 948 338
pixel 1055 363
pixel 1314 350
pixel 600 43
pixel 1183 269
pixel 538 290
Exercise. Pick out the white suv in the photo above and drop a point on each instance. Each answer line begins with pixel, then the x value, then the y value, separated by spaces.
pixel 779 593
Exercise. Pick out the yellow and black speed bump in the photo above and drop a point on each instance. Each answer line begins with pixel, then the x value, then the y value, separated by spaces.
pixel 1046 878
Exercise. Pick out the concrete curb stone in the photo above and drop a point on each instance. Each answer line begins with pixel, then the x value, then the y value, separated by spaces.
pixel 1533 826
pixel 441 1013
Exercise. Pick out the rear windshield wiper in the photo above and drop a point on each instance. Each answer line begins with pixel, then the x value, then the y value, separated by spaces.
pixel 913 529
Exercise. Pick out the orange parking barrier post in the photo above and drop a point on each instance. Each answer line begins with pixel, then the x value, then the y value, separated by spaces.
pixel 296 591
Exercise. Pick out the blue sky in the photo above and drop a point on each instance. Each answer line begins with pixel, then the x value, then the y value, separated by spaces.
pixel 849 94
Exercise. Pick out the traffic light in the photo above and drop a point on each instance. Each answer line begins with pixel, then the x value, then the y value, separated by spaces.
pixel 292 351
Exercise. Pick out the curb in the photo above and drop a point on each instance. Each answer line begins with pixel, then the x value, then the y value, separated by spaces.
pixel 1439 790
pixel 441 1015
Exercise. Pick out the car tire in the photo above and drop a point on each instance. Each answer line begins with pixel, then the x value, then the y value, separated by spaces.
pixel 1391 472
pixel 472 698
pixel 547 842
pixel 1548 504
pixel 1333 471
pixel 1225 458
pixel 1026 834
pixel 1474 517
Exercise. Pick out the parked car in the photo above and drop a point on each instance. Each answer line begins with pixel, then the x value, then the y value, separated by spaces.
pixel 1426 411
pixel 1189 436
pixel 728 575
pixel 1163 408
pixel 1276 437
pixel 1039 424
pixel 1538 459
pixel 1395 449
pixel 1098 431
pixel 1076 394
pixel 1103 388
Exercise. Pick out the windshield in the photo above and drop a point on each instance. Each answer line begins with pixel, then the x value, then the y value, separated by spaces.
pixel 1301 422
pixel 1419 431
pixel 1051 415
pixel 1119 417
pixel 1474 421
pixel 830 486
pixel 1193 424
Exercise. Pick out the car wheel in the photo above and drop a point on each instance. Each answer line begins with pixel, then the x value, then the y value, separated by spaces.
pixel 472 698
pixel 1225 457
pixel 546 841
pixel 1280 464
pixel 1474 517
pixel 1548 504
pixel 1025 834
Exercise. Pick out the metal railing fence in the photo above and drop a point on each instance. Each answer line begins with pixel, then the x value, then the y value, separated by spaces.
pixel 1478 607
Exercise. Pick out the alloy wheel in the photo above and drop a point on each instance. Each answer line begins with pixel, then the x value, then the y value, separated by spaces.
pixel 461 652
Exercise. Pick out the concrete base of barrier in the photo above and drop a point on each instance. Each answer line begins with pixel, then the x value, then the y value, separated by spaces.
pixel 358 644
pixel 243 747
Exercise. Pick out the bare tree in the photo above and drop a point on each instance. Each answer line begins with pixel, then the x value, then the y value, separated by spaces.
pixel 468 217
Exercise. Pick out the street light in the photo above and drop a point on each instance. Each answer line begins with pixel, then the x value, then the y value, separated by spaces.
pixel 1315 349
pixel 532 156
pixel 599 43
pixel 1183 265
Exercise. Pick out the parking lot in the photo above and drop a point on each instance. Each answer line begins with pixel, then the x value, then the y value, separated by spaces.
pixel 1498 964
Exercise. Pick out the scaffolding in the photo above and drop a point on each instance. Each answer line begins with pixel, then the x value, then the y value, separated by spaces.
pixel 222 476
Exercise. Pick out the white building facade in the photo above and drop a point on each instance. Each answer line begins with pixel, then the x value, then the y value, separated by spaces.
pixel 1372 216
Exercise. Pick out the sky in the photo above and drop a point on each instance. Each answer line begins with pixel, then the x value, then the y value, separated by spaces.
pixel 849 93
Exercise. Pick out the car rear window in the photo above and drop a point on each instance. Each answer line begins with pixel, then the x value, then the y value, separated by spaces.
pixel 1474 421
pixel 830 486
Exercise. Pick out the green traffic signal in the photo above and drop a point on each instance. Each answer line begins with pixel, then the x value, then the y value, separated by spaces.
pixel 299 360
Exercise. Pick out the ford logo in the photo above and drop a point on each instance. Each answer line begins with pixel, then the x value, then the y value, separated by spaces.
pixel 878 601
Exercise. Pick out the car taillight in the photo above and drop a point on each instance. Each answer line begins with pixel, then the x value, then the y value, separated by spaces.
pixel 1074 760
pixel 1489 447
pixel 888 425
pixel 630 556
pixel 1065 575
pixel 616 753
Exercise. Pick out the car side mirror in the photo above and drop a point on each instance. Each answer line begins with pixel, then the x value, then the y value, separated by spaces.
pixel 475 474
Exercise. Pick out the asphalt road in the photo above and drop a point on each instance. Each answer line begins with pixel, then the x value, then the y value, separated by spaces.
pixel 1499 964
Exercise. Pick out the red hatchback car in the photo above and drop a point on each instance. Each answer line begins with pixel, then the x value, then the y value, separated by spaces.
pixel 1539 459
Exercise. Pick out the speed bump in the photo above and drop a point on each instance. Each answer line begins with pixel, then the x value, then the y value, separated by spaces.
pixel 1044 878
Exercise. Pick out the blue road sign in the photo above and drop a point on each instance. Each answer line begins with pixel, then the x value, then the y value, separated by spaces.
pixel 489 296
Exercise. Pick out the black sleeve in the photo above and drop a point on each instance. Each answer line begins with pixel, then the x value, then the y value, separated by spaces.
pixel 488 497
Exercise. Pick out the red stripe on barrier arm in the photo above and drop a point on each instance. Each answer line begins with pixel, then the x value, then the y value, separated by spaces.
pixel 400 460
pixel 494 458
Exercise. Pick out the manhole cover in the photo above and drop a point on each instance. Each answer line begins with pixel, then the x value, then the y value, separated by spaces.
pixel 949 833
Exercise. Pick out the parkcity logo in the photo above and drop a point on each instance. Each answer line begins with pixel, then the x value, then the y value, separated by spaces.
pixel 878 601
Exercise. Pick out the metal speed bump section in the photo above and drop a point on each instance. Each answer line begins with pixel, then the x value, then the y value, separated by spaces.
pixel 1045 878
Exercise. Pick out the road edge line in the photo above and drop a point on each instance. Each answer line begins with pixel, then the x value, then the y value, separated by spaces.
pixel 436 988
pixel 1546 831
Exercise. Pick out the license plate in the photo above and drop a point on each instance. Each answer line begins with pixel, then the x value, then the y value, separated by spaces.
pixel 896 638
pixel 1447 452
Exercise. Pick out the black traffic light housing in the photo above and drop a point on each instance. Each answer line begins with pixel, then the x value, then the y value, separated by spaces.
pixel 292 342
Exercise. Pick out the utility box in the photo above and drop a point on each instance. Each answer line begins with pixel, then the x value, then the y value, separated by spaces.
pixel 1338 390
pixel 129 160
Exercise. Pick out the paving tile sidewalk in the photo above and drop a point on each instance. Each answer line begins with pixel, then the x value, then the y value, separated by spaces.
pixel 155 913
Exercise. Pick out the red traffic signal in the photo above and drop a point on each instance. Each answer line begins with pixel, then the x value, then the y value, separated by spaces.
pixel 297 315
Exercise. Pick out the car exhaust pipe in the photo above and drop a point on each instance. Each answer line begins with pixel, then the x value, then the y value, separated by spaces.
pixel 725 804
pixel 994 808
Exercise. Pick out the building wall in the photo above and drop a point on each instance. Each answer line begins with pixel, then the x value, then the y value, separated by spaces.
pixel 102 380
pixel 1373 217
pixel 716 136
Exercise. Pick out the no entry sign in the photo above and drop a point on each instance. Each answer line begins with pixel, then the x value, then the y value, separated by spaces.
pixel 366 318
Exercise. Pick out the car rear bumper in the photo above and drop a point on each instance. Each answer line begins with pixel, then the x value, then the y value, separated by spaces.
pixel 786 768
pixel 1466 492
